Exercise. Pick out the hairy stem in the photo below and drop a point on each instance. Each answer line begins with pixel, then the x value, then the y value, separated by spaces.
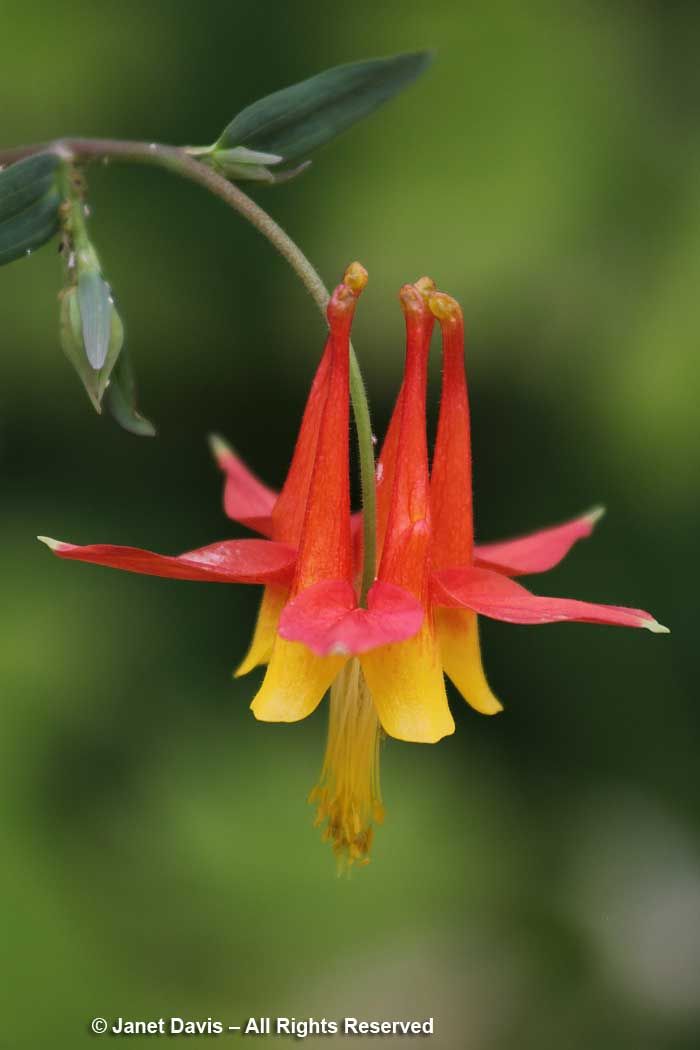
pixel 180 162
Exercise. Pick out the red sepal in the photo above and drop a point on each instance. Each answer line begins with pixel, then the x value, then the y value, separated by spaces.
pixel 231 561
pixel 247 500
pixel 538 551
pixel 492 594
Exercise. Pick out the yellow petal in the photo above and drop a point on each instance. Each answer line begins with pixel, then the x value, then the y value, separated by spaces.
pixel 295 682
pixel 260 651
pixel 458 636
pixel 408 688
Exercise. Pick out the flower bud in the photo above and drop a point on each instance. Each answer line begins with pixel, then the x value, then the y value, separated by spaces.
pixel 240 164
pixel 75 338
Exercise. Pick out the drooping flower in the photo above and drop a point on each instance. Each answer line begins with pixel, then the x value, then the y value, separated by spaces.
pixel 384 661
pixel 386 677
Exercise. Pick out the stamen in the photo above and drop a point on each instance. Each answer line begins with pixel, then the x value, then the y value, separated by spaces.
pixel 349 792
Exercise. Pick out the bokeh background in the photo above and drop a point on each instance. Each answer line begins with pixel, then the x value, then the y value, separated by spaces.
pixel 537 883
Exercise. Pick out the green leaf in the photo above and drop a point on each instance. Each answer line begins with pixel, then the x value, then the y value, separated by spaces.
pixel 21 234
pixel 24 182
pixel 121 399
pixel 293 122
pixel 95 301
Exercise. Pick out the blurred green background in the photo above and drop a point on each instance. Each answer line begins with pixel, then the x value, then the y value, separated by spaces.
pixel 537 883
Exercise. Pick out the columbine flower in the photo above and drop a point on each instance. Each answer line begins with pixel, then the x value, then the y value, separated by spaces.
pixel 383 663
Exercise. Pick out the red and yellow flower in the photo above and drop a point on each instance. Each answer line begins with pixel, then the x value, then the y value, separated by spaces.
pixel 385 659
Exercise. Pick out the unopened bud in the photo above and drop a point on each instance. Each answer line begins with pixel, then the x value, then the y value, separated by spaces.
pixel 73 341
pixel 240 164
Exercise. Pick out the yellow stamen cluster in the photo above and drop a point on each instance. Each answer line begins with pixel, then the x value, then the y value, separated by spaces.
pixel 349 793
